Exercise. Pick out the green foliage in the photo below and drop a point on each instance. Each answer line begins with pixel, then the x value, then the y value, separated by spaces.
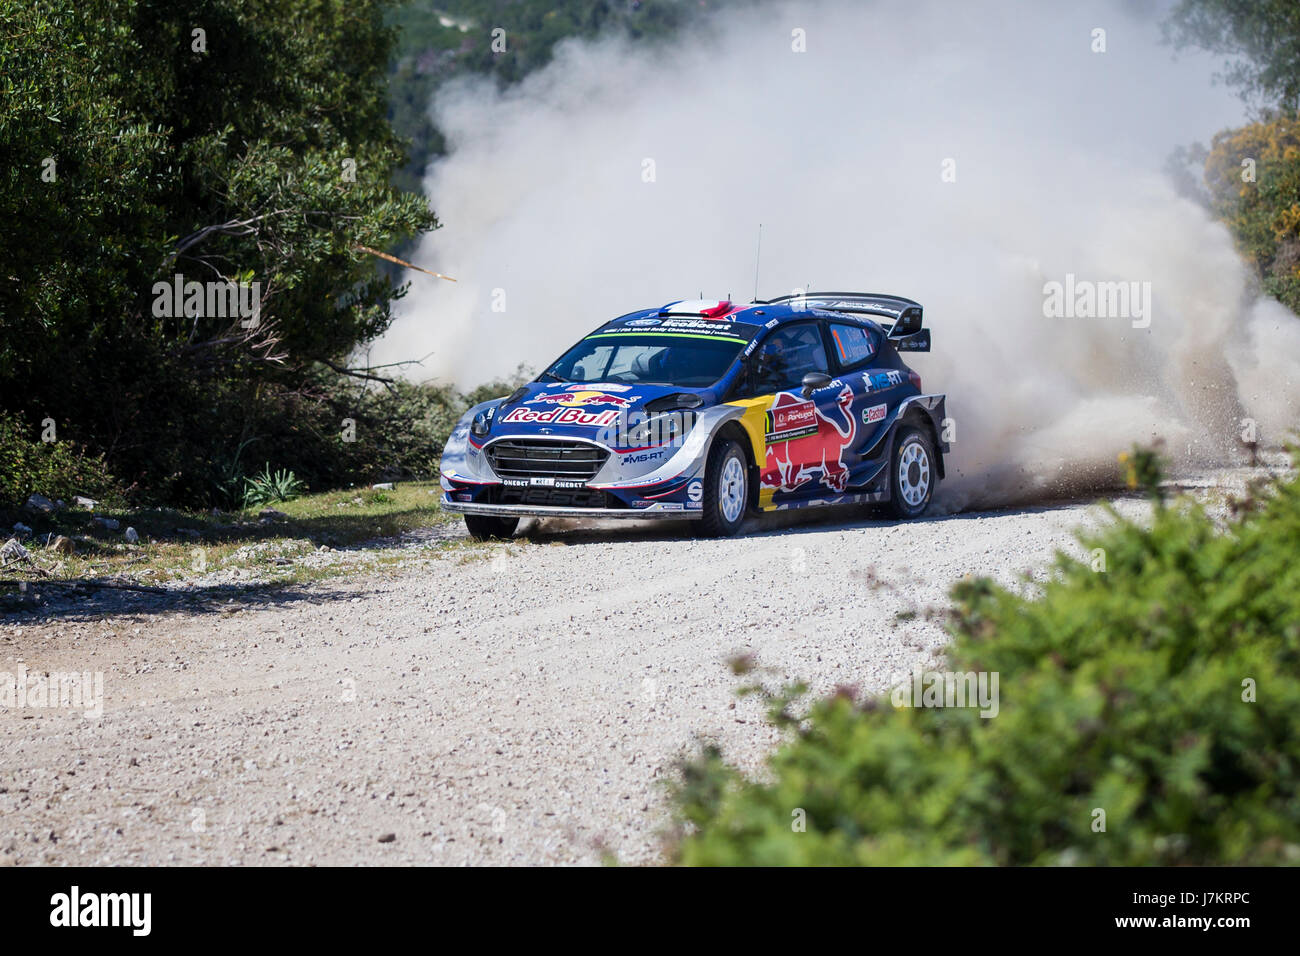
pixel 267 487
pixel 1260 206
pixel 132 155
pixel 58 469
pixel 1261 36
pixel 335 432
pixel 1125 689
pixel 1260 201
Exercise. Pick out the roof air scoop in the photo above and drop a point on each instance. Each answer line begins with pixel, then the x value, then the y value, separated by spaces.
pixel 704 308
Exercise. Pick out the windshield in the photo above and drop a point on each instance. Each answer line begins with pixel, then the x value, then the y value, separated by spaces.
pixel 646 358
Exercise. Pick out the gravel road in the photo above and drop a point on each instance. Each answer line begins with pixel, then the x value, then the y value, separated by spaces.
pixel 515 704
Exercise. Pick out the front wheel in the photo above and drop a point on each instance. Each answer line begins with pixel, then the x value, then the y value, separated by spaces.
pixel 911 473
pixel 488 527
pixel 726 490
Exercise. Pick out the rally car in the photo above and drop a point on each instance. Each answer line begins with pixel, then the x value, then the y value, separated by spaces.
pixel 710 410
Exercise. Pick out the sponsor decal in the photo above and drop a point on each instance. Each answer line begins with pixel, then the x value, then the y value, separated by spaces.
pixel 694 505
pixel 857 304
pixel 728 333
pixel 709 328
pixel 573 397
pixel 875 413
pixel 671 506
pixel 793 462
pixel 790 417
pixel 695 491
pixel 643 457
pixel 562 416
pixel 879 381
pixel 698 325
pixel 545 481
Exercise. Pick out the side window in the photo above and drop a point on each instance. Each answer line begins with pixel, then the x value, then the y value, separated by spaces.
pixel 786 356
pixel 853 344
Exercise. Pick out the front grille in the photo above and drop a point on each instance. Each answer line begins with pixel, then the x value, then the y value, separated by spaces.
pixel 553 497
pixel 545 458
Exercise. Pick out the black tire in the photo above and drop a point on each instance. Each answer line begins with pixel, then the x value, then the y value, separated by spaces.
pixel 490 527
pixel 912 473
pixel 720 519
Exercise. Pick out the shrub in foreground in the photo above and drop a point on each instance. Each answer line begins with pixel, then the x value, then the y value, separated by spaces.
pixel 1163 692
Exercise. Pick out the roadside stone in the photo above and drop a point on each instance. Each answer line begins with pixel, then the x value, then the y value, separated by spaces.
pixel 63 545
pixel 273 514
pixel 132 536
pixel 39 503
pixel 383 486
pixel 108 524
pixel 82 502
pixel 13 551
pixel 21 531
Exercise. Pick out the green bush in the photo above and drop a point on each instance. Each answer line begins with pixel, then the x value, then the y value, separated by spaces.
pixel 1121 690
pixel 134 157
pixel 58 469
pixel 268 486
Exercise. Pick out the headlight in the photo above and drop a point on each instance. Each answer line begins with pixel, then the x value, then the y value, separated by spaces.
pixel 482 423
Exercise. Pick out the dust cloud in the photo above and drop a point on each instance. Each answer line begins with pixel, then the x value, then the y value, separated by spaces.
pixel 962 154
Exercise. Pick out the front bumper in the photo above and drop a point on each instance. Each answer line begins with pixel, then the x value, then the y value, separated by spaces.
pixel 551 511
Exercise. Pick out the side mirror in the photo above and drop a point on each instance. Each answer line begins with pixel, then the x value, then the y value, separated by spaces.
pixel 813 381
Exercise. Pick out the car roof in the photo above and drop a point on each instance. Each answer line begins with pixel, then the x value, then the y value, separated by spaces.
pixel 749 318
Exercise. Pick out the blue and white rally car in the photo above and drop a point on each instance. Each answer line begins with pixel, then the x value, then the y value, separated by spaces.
pixel 710 410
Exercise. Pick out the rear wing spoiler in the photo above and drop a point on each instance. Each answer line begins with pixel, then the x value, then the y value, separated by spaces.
pixel 904 328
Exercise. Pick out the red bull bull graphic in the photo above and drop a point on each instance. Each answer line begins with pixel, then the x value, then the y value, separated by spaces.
pixel 576 396
pixel 802 441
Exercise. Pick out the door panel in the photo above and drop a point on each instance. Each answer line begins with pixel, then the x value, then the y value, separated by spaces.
pixel 875 394
pixel 804 436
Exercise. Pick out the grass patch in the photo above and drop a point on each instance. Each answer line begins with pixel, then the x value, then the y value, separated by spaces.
pixel 177 544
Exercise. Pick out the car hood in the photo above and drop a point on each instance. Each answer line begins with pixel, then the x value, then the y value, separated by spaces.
pixel 581 410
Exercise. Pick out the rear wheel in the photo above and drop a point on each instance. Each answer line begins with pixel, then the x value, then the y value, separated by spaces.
pixel 488 527
pixel 726 490
pixel 911 473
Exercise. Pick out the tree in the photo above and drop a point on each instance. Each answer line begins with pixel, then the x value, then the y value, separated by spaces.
pixel 1261 36
pixel 225 140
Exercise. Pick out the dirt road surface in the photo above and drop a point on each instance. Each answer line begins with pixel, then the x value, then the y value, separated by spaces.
pixel 518 704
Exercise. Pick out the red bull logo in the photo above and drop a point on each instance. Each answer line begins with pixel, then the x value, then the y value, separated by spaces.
pixel 561 416
pixel 802 441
